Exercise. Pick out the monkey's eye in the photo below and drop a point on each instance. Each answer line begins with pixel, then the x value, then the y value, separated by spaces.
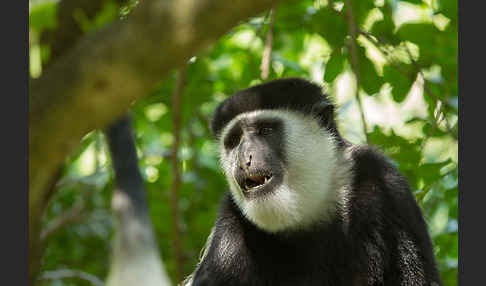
pixel 265 130
pixel 268 126
pixel 231 142
pixel 232 139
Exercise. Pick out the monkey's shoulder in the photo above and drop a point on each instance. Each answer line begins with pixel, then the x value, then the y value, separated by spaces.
pixel 375 173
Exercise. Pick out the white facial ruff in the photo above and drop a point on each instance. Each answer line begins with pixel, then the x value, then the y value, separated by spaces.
pixel 313 179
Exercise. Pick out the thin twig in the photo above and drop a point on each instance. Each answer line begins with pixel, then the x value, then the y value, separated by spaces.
pixel 174 193
pixel 267 51
pixel 259 29
pixel 68 217
pixel 352 29
pixel 69 273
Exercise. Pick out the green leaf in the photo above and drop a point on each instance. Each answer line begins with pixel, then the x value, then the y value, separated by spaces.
pixel 449 9
pixel 438 90
pixel 331 26
pixel 400 83
pixel 407 154
pixel 43 16
pixel 369 79
pixel 418 33
pixel 361 9
pixel 107 14
pixel 334 66
pixel 432 131
pixel 430 172
pixel 385 29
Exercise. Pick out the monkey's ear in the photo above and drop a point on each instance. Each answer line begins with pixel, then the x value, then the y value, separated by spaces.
pixel 324 111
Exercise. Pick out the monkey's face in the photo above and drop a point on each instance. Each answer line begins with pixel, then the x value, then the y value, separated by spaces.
pixel 253 146
pixel 280 166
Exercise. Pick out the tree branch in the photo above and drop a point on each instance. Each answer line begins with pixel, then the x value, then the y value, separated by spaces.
pixel 98 78
pixel 267 51
pixel 352 29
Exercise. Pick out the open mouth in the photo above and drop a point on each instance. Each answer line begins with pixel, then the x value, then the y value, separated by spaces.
pixel 253 182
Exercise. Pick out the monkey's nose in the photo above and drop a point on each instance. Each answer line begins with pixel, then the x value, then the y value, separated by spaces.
pixel 248 161
pixel 245 160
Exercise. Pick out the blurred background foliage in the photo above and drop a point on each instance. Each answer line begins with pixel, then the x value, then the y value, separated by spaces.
pixel 407 73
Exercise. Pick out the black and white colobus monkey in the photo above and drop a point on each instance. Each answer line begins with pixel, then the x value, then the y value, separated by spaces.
pixel 135 257
pixel 305 206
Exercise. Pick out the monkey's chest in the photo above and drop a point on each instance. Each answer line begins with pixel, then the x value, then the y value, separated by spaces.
pixel 275 262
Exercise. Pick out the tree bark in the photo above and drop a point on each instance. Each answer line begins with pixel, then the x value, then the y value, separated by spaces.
pixel 99 77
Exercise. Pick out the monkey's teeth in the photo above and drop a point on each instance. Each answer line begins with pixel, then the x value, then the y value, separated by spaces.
pixel 265 180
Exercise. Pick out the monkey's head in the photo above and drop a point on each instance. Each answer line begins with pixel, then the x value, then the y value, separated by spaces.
pixel 279 149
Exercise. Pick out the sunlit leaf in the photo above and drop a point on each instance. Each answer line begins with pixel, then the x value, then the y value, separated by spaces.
pixel 334 66
pixel 401 83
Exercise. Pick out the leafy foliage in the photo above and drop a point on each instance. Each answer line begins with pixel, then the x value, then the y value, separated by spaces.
pixel 408 65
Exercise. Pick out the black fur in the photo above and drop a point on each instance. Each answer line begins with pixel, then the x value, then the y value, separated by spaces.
pixel 381 240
